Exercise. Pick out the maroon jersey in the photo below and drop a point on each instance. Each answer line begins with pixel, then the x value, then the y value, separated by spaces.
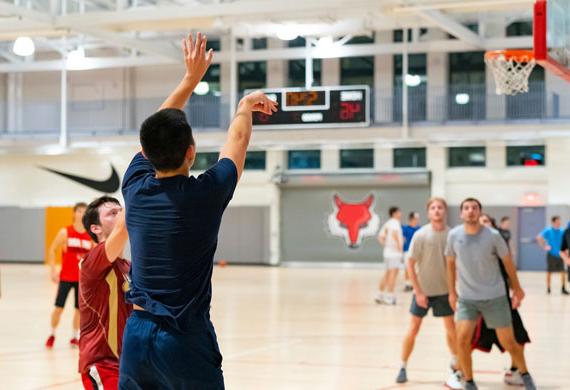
pixel 102 306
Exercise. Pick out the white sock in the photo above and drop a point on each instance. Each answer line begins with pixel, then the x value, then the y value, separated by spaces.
pixel 404 365
pixel 453 361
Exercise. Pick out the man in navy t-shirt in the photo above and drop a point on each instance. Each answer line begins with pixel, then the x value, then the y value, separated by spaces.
pixel 173 222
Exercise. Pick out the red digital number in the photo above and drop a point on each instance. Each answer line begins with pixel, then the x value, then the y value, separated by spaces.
pixel 348 110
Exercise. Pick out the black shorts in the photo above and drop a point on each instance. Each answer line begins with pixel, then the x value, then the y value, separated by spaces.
pixel 63 291
pixel 439 305
pixel 554 263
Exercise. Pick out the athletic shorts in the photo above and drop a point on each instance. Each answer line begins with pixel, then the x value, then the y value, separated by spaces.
pixel 496 312
pixel 393 262
pixel 101 377
pixel 63 291
pixel 439 305
pixel 554 263
pixel 484 338
pixel 156 356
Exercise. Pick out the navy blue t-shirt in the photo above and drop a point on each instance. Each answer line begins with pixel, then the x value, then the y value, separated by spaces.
pixel 173 226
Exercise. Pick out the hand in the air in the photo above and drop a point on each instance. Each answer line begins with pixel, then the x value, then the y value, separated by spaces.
pixel 196 59
pixel 258 101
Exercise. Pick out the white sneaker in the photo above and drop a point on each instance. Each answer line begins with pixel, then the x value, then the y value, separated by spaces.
pixel 389 300
pixel 513 378
pixel 454 381
pixel 379 298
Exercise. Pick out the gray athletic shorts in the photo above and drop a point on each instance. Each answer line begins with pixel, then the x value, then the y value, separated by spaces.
pixel 496 312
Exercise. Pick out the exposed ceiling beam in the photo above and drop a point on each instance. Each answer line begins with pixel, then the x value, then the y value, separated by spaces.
pixel 115 39
pixel 452 26
pixel 10 57
pixel 110 37
pixel 464 5
pixel 449 46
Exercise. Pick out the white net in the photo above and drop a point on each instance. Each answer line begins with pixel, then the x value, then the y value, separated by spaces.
pixel 511 73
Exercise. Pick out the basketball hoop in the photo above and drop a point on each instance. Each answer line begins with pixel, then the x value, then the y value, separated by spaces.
pixel 511 70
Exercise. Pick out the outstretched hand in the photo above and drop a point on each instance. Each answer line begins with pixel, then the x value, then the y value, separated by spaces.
pixel 259 102
pixel 196 59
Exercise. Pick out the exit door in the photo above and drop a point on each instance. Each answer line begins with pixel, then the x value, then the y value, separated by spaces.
pixel 531 257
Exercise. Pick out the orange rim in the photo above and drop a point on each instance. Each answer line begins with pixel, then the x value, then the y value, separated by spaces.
pixel 517 55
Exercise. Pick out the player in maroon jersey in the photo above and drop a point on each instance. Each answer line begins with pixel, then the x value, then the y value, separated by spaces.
pixel 102 283
pixel 75 243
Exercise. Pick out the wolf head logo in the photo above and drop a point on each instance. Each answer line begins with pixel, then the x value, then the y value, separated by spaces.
pixel 353 221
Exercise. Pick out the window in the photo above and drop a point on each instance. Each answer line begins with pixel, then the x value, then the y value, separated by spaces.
pixel 519 29
pixel 525 156
pixel 304 159
pixel 398 35
pixel 471 26
pixel 357 158
pixel 467 89
pixel 360 39
pixel 467 157
pixel 205 160
pixel 296 73
pixel 212 77
pixel 252 75
pixel 255 161
pixel 214 44
pixel 417 87
pixel 410 158
pixel 259 43
pixel 357 71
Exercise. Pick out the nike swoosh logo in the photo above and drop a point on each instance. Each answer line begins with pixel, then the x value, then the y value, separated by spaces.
pixel 109 186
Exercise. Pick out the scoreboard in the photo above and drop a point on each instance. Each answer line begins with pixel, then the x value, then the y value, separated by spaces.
pixel 316 108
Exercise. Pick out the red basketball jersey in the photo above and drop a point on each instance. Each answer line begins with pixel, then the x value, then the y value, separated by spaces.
pixel 103 310
pixel 76 246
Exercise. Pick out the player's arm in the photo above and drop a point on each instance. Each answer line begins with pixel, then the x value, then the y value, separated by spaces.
pixel 542 242
pixel 239 132
pixel 57 243
pixel 197 62
pixel 421 298
pixel 451 281
pixel 518 293
pixel 116 241
pixel 398 239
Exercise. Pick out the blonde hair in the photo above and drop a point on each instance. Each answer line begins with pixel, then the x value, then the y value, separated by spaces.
pixel 436 199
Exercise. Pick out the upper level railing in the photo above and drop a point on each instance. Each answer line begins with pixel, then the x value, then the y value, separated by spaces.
pixel 469 104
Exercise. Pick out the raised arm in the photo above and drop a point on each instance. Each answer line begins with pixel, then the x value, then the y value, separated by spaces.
pixel 197 62
pixel 116 241
pixel 56 244
pixel 240 129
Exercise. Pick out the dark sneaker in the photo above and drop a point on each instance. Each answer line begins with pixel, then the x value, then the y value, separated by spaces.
pixel 528 382
pixel 470 385
pixel 564 291
pixel 402 376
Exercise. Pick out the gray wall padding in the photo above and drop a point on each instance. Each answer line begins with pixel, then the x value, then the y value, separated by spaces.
pixel 22 234
pixel 244 236
pixel 305 211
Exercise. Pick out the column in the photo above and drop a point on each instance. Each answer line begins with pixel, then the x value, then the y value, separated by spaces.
pixel 277 70
pixel 383 93
pixel 438 77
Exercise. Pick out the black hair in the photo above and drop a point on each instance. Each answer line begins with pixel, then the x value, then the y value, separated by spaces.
pixel 412 215
pixel 165 137
pixel 505 218
pixel 79 205
pixel 393 210
pixel 91 216
pixel 468 200
pixel 555 218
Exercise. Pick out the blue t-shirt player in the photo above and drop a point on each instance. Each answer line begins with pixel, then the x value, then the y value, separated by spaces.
pixel 173 222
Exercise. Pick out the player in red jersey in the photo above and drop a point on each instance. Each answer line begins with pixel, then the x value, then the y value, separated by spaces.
pixel 102 283
pixel 75 243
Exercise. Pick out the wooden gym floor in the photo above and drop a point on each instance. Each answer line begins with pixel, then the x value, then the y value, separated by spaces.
pixel 290 328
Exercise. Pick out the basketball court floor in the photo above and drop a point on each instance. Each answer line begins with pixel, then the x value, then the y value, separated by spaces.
pixel 291 328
